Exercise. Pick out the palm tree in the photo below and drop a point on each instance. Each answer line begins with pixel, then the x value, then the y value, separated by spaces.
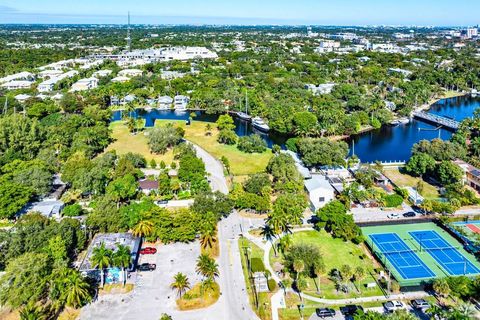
pixel 76 289
pixel 207 266
pixel 180 283
pixel 208 238
pixel 207 284
pixel 441 287
pixel 466 310
pixel 122 258
pixel 101 259
pixel 284 243
pixel 319 270
pixel 298 267
pixel 269 235
pixel 143 228
pixel 32 312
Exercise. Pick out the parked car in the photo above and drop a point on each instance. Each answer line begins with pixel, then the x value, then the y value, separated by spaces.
pixel 409 214
pixel 393 216
pixel 147 267
pixel 391 306
pixel 148 250
pixel 350 310
pixel 160 202
pixel 325 312
pixel 420 304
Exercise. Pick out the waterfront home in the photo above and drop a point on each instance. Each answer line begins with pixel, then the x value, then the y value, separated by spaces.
pixel 471 174
pixel 181 102
pixel 165 102
pixel 17 84
pixel 84 84
pixel 319 190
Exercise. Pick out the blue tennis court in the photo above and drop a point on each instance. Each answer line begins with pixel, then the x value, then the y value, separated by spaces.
pixel 454 262
pixel 404 259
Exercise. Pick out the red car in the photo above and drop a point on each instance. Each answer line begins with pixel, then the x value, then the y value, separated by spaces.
pixel 148 250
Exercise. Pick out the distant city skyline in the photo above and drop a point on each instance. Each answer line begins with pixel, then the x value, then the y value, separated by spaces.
pixel 246 12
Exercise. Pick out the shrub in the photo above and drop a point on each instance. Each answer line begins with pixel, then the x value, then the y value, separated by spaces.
pixel 291 144
pixel 272 285
pixel 257 265
pixel 73 210
pixel 228 137
pixel 393 200
pixel 252 144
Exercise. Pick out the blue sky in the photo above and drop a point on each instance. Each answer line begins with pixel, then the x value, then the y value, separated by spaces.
pixel 322 12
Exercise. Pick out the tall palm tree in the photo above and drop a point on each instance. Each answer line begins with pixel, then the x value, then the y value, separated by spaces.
pixel 180 283
pixel 32 312
pixel 319 270
pixel 76 289
pixel 101 259
pixel 298 267
pixel 269 234
pixel 207 266
pixel 122 258
pixel 359 275
pixel 208 238
pixel 284 243
pixel 143 228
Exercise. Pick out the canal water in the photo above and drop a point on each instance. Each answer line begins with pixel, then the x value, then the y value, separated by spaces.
pixel 390 143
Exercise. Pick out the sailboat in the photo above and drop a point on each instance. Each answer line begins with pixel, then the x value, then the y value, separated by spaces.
pixel 244 115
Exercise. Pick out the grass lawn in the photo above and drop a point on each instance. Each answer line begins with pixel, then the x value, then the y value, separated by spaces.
pixel 402 179
pixel 126 142
pixel 194 299
pixel 240 163
pixel 336 253
pixel 264 308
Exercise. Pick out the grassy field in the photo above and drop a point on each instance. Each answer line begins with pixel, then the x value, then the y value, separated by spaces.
pixel 240 163
pixel 402 179
pixel 336 253
pixel 194 299
pixel 403 232
pixel 263 310
pixel 126 142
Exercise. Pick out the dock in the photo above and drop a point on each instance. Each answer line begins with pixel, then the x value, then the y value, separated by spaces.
pixel 437 120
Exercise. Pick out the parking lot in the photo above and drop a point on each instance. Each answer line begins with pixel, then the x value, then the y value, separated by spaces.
pixel 338 315
pixel 152 295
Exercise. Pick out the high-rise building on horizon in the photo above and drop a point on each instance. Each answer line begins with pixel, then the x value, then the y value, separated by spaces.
pixel 129 37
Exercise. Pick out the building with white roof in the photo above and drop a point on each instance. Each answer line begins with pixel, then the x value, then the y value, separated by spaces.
pixel 22 97
pixel 181 102
pixel 17 84
pixel 102 73
pixel 324 88
pixel 319 190
pixel 121 79
pixel 165 102
pixel 18 76
pixel 130 73
pixel 84 84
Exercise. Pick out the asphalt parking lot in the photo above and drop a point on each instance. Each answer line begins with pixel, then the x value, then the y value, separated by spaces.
pixel 152 295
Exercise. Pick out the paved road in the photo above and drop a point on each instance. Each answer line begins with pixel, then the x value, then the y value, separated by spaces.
pixel 214 169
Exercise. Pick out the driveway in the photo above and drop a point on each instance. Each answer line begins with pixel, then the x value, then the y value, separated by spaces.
pixel 377 214
pixel 214 169
pixel 152 295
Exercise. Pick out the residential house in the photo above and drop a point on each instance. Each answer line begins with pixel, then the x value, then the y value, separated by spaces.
pixel 165 102
pixel 181 102
pixel 84 84
pixel 102 73
pixel 28 76
pixel 319 190
pixel 321 88
pixel 17 84
pixel 471 175
pixel 130 73
pixel 22 97
pixel 121 79
pixel 147 186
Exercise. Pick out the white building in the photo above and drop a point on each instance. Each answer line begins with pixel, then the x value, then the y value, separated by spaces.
pixel 130 73
pixel 165 102
pixel 325 88
pixel 84 84
pixel 47 85
pixel 22 97
pixel 50 74
pixel 17 84
pixel 102 73
pixel 187 53
pixel 404 72
pixel 319 190
pixel 181 102
pixel 18 76
pixel 170 75
pixel 121 79
pixel 327 46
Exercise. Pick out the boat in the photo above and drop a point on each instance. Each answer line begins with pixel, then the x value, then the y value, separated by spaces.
pixel 474 92
pixel 244 115
pixel 259 123
pixel 404 120
pixel 394 122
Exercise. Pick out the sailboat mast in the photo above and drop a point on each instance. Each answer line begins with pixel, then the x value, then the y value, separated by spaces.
pixel 246 102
